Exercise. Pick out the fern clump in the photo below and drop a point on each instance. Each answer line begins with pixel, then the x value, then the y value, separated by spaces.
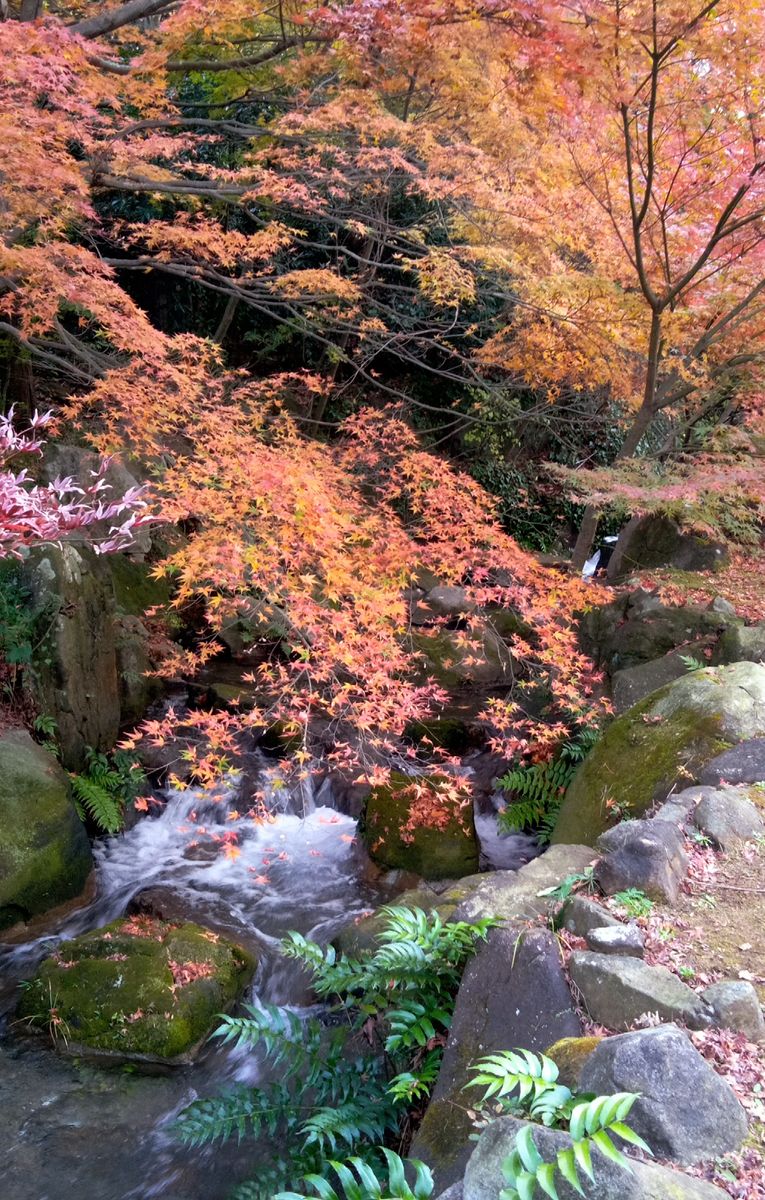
pixel 108 784
pixel 537 789
pixel 345 1081
pixel 526 1084
pixel 360 1182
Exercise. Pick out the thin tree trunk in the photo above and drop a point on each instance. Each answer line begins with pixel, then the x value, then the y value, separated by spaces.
pixel 226 319
pixel 635 434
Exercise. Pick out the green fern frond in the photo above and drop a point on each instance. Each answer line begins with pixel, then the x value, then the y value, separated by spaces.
pixel 359 1181
pixel 593 1123
pixel 91 799
pixel 517 1073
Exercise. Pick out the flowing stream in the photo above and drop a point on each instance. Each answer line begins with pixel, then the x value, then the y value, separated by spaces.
pixel 71 1130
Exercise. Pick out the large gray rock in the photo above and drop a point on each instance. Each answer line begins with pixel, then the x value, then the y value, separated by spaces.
pixel 633 684
pixel 514 895
pixel 743 763
pixel 736 1005
pixel 617 991
pixel 580 915
pixel 637 627
pixel 513 993
pixel 76 679
pixel 728 816
pixel 617 939
pixel 657 541
pixel 676 731
pixel 647 855
pixel 646 1181
pixel 44 851
pixel 448 601
pixel 741 643
pixel 686 1112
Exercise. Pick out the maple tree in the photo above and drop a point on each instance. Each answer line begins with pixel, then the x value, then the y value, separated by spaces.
pixel 422 207
pixel 654 230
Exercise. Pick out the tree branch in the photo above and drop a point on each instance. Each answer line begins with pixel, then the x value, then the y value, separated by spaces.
pixel 115 18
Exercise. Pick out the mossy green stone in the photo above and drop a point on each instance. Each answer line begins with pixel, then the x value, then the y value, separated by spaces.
pixel 448 852
pixel 135 587
pixel 448 733
pixel 569 1055
pixel 668 736
pixel 44 851
pixel 138 987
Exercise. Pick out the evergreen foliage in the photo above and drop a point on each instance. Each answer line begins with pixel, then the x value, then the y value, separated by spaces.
pixel 348 1078
pixel 526 1085
pixel 102 791
pixel 538 789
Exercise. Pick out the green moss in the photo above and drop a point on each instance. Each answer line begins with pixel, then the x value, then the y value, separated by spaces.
pixel 449 733
pixel 635 764
pixel 569 1055
pixel 444 852
pixel 44 851
pixel 440 657
pixel 135 590
pixel 137 987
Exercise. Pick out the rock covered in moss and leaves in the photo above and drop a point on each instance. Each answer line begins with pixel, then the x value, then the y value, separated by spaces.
pixel 645 1181
pixel 45 855
pixel 685 1111
pixel 617 990
pixel 736 1005
pixel 417 824
pixel 637 628
pixel 139 989
pixel 671 734
pixel 658 541
pixel 569 1055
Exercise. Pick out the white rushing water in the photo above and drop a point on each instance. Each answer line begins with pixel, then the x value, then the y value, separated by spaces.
pixel 109 1134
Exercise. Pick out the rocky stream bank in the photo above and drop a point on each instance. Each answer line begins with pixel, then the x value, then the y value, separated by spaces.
pixel 124 952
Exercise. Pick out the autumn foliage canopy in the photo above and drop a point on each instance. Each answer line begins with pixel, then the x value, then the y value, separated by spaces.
pixel 491 197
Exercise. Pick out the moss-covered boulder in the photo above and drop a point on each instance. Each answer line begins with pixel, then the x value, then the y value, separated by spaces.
pixel 75 676
pixel 569 1055
pixel 451 660
pixel 445 733
pixel 139 990
pixel 416 825
pixel 44 851
pixel 669 736
pixel 658 541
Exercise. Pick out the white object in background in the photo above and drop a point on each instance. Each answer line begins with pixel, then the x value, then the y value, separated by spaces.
pixel 591 566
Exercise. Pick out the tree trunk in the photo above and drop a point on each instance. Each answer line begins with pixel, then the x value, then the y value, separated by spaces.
pixel 639 427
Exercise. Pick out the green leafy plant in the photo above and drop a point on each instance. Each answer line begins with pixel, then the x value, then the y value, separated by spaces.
pixel 102 791
pixel 690 663
pixel 360 1182
pixel 46 731
pixel 538 789
pixel 347 1079
pixel 634 902
pixel 579 879
pixel 517 1081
